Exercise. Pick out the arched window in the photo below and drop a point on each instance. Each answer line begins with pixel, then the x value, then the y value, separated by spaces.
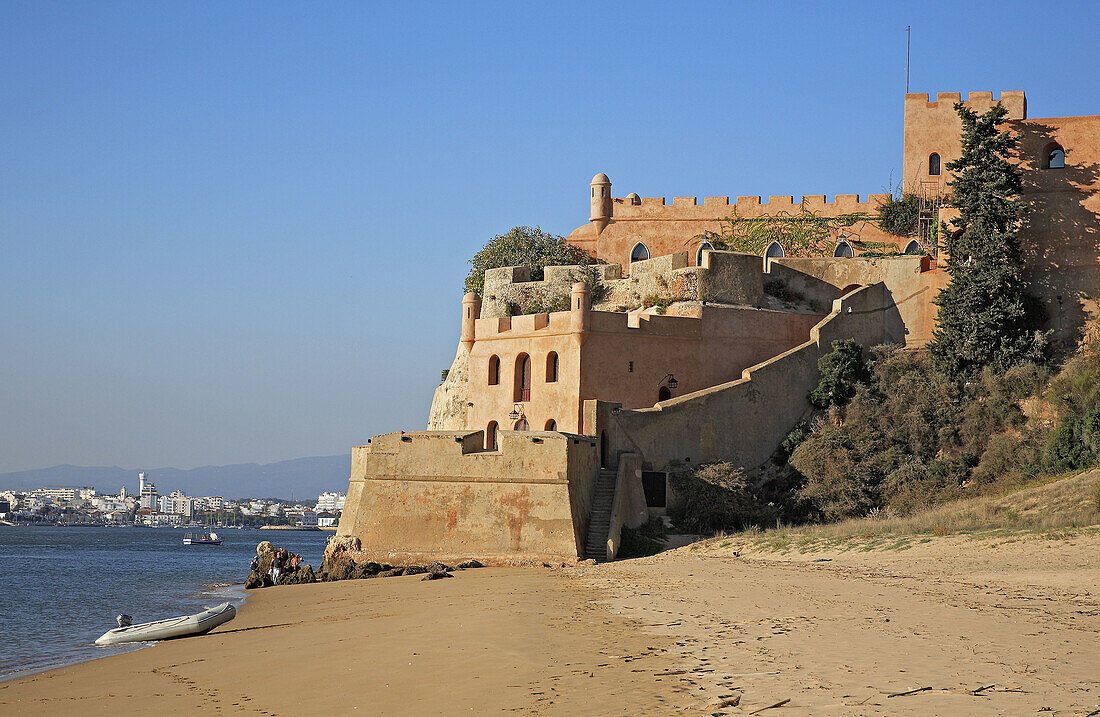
pixel 521 425
pixel 639 253
pixel 552 367
pixel 844 250
pixel 775 249
pixel 1054 157
pixel 913 247
pixel 663 394
pixel 705 246
pixel 494 370
pixel 934 165
pixel 523 379
pixel 491 436
pixel 551 425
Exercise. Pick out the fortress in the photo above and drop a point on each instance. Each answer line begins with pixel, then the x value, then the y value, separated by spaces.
pixel 551 431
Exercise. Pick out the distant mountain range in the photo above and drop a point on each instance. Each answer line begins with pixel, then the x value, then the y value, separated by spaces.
pixel 300 479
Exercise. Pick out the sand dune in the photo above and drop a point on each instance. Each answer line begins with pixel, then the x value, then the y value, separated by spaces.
pixel 950 626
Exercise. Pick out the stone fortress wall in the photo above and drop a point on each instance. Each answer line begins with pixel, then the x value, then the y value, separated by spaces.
pixel 741 421
pixel 740 418
pixel 667 228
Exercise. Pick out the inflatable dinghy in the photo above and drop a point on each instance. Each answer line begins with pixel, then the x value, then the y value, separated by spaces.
pixel 183 626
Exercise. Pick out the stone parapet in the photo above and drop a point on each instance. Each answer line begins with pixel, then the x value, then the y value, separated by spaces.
pixel 441 495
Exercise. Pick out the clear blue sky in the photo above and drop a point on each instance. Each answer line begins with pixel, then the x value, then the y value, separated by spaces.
pixel 237 232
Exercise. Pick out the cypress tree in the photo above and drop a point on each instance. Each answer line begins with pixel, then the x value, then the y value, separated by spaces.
pixel 983 313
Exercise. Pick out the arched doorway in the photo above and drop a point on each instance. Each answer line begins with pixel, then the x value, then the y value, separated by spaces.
pixel 844 251
pixel 491 436
pixel 640 252
pixel 913 247
pixel 849 289
pixel 774 251
pixel 521 425
pixel 664 393
pixel 551 425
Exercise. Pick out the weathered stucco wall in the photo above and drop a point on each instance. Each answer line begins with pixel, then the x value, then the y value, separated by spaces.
pixel 439 495
pixel 744 420
pixel 911 281
pixel 1060 236
pixel 616 357
pixel 629 507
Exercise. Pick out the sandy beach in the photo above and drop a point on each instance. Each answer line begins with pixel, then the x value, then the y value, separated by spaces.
pixel 951 625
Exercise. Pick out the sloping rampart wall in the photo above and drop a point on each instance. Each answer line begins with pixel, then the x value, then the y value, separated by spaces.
pixel 745 420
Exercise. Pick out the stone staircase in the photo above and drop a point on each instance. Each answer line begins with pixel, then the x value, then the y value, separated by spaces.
pixel 599 521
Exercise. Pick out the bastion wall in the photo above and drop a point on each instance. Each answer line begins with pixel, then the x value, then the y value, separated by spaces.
pixel 439 495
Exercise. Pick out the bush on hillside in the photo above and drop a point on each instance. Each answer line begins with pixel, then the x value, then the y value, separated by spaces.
pixel 842 369
pixel 910 438
pixel 717 496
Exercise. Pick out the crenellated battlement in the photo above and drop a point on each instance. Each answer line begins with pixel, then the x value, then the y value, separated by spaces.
pixel 1012 100
pixel 713 208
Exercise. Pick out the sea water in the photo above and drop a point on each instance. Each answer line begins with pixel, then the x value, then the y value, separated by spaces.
pixel 61 588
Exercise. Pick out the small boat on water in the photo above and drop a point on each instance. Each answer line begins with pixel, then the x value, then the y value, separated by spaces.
pixel 183 626
pixel 201 539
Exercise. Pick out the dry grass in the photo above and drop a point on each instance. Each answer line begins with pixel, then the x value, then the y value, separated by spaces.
pixel 1054 506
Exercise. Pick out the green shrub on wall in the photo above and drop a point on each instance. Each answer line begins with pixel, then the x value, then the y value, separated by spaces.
pixel 900 215
pixel 522 246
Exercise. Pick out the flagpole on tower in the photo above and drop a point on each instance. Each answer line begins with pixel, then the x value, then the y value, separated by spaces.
pixel 907 59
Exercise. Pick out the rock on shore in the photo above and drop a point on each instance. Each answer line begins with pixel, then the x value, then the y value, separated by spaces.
pixel 338 564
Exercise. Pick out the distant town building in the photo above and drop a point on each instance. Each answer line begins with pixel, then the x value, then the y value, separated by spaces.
pixel 57 495
pixel 147 491
pixel 330 502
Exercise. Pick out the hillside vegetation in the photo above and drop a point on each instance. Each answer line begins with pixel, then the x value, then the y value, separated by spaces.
pixel 898 446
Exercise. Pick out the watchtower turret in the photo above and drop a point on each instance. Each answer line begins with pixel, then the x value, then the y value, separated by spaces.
pixel 601 201
pixel 580 308
pixel 471 312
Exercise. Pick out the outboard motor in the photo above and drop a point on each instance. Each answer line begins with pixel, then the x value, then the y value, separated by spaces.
pixel 124 620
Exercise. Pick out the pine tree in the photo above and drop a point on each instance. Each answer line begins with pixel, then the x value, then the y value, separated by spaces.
pixel 983 313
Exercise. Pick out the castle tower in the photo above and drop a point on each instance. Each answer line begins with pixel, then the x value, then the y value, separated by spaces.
pixel 471 312
pixel 580 306
pixel 601 201
pixel 931 135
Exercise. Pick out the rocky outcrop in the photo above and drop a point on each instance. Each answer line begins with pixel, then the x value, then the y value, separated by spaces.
pixel 448 411
pixel 437 576
pixel 302 576
pixel 261 577
pixel 339 551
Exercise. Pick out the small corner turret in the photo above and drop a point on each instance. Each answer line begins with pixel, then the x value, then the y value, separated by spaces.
pixel 471 312
pixel 580 307
pixel 601 201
